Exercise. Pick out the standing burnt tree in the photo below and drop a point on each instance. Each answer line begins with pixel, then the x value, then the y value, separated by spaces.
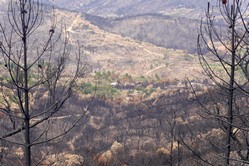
pixel 37 76
pixel 223 51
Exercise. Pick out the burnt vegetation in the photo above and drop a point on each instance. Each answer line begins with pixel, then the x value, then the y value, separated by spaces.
pixel 48 117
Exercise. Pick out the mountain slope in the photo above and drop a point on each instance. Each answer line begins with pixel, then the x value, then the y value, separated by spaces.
pixel 165 31
pixel 108 51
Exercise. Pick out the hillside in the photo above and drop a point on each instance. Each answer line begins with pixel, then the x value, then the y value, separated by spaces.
pixel 160 30
pixel 108 51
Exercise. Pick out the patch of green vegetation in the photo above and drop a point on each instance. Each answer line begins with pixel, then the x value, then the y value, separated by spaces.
pixel 219 70
pixel 106 91
pixel 103 87
pixel 102 90
pixel 88 88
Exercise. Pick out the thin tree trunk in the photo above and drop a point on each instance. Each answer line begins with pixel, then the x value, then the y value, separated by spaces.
pixel 26 89
pixel 231 91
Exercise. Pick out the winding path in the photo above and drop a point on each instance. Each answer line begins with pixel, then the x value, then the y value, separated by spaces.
pixel 69 29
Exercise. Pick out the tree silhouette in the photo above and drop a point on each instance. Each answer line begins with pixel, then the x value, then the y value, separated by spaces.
pixel 225 38
pixel 38 76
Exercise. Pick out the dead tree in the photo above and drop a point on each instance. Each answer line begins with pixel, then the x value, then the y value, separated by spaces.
pixel 38 76
pixel 223 54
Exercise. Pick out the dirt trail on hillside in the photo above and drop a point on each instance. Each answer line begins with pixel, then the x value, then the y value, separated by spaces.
pixel 70 28
pixel 148 51
pixel 151 71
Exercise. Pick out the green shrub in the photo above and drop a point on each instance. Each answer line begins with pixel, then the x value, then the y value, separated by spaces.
pixel 101 90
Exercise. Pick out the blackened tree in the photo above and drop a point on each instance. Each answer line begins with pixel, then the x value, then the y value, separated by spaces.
pixel 224 36
pixel 37 78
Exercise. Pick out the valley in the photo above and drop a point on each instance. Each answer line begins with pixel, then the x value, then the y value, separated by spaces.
pixel 145 98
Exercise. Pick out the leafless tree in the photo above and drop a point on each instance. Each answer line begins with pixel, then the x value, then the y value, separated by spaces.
pixel 37 76
pixel 223 53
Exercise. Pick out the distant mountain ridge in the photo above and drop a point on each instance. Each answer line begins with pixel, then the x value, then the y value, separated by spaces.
pixel 116 8
pixel 166 23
